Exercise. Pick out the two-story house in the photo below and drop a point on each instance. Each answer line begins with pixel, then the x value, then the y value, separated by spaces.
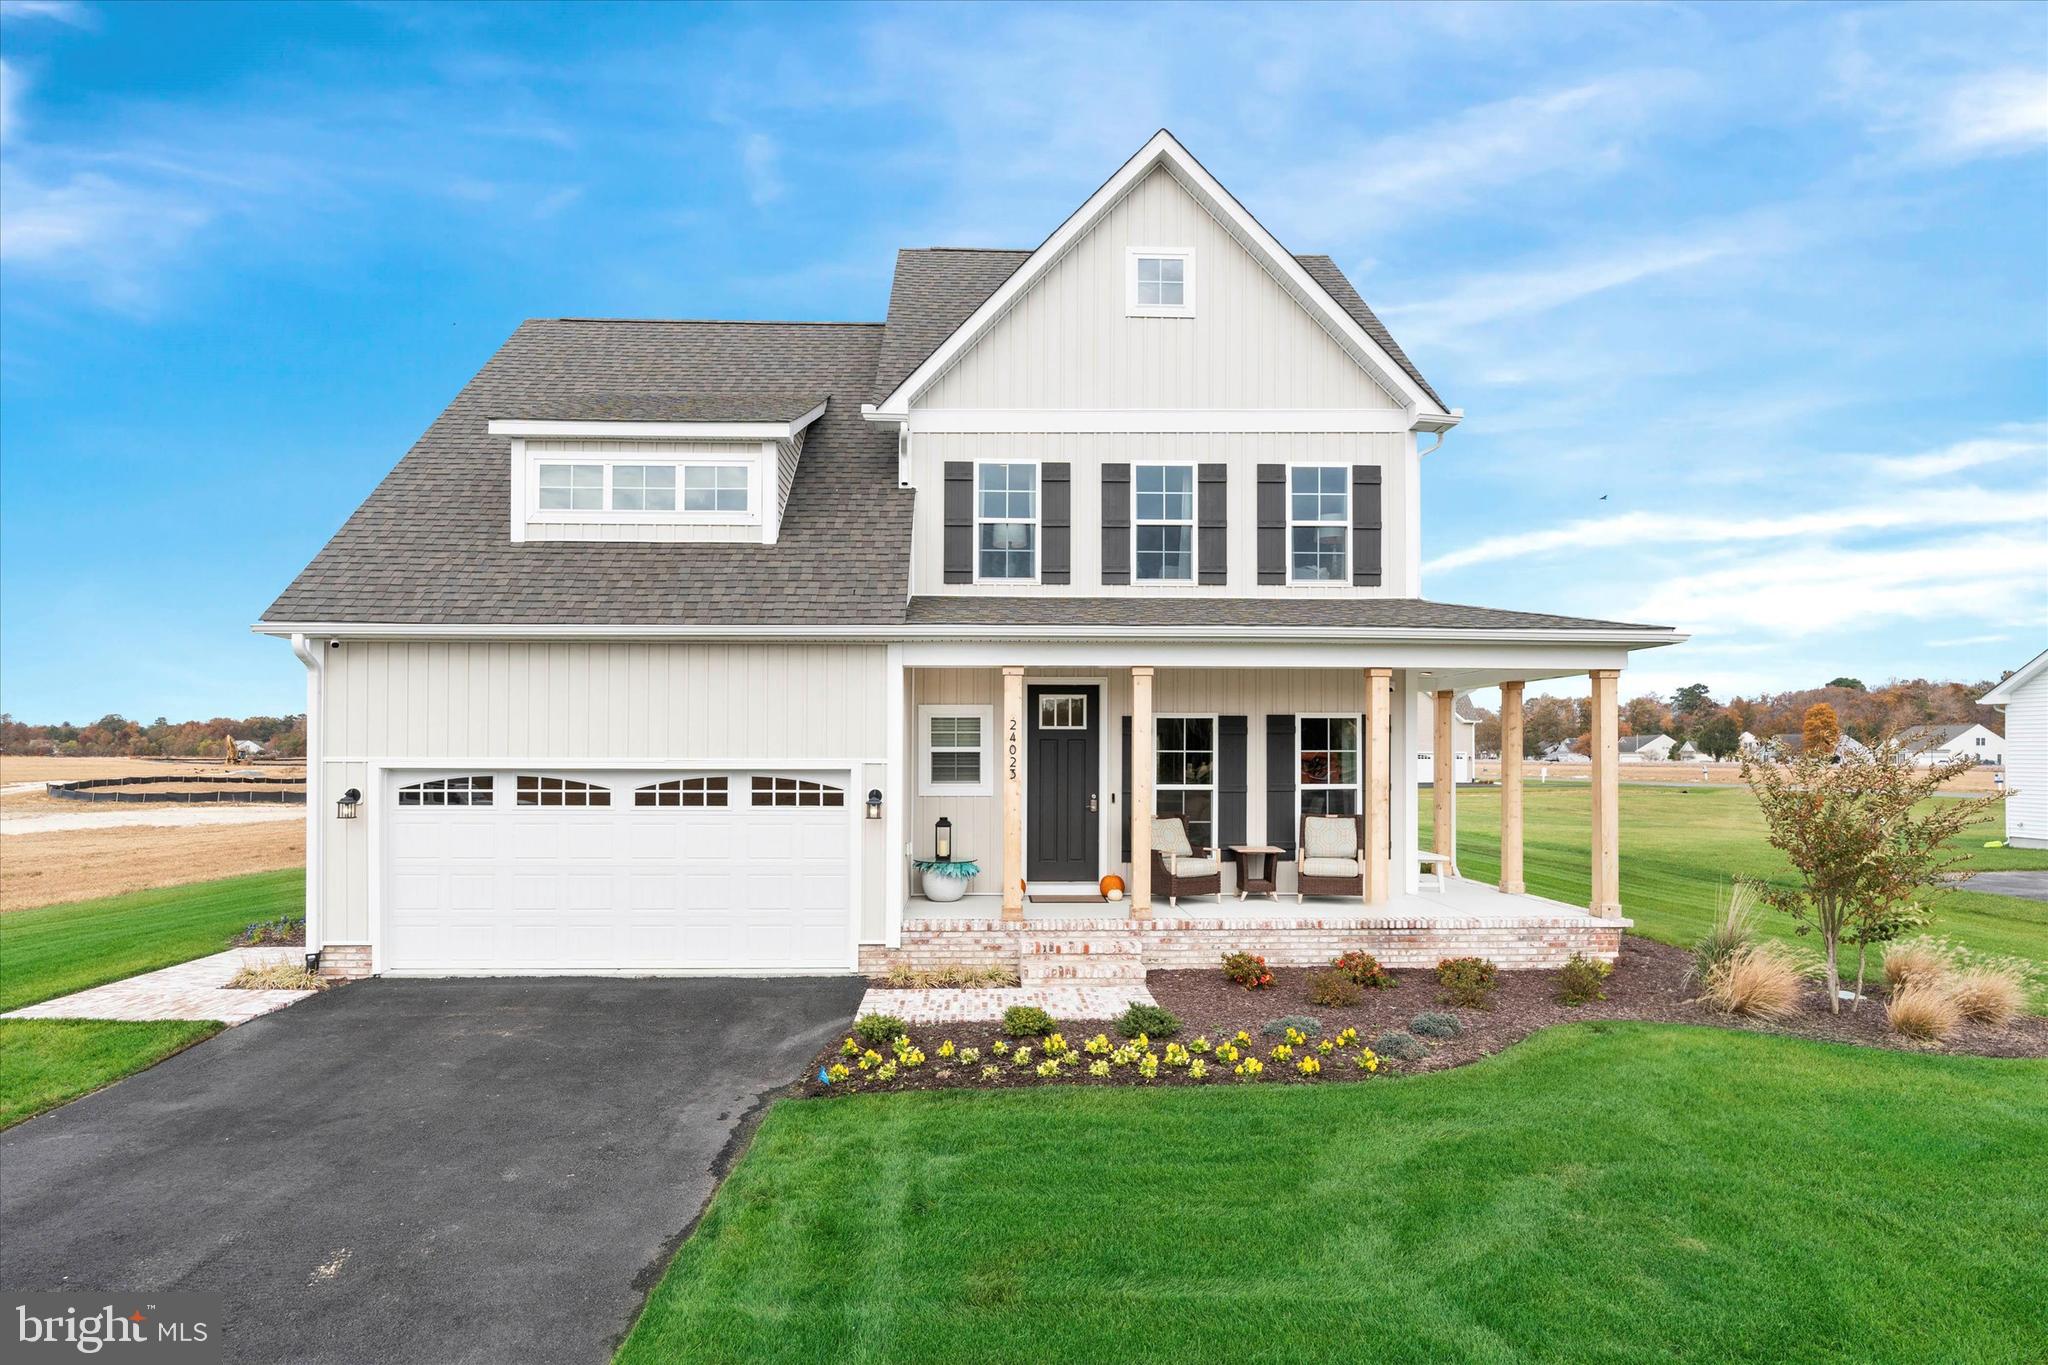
pixel 671 645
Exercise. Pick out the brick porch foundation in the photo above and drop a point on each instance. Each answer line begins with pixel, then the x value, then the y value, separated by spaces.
pixel 345 961
pixel 1523 942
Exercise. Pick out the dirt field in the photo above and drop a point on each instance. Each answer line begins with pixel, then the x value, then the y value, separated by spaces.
pixel 28 768
pixel 76 865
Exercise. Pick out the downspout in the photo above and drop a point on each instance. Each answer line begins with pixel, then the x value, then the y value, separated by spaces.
pixel 1438 446
pixel 316 676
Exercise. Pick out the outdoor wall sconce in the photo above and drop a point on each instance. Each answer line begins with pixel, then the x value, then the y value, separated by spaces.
pixel 345 809
pixel 874 803
pixel 942 840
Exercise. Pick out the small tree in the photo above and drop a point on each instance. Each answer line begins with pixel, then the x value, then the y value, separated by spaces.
pixel 1821 729
pixel 1863 855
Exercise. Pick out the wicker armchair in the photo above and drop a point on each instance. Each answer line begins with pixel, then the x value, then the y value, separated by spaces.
pixel 1332 853
pixel 1178 867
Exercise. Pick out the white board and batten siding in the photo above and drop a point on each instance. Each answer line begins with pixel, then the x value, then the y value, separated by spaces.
pixel 2026 764
pixel 654 709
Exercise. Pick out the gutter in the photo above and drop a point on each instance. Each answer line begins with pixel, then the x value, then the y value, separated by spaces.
pixel 316 690
pixel 975 630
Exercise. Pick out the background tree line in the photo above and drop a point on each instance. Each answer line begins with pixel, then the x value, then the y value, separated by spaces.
pixel 1692 714
pixel 114 736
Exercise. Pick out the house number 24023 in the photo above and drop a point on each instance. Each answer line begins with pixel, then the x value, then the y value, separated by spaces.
pixel 1012 751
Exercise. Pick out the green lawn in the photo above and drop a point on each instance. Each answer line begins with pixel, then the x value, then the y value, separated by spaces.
pixel 48 1062
pixel 62 948
pixel 1682 846
pixel 1601 1192
pixel 58 949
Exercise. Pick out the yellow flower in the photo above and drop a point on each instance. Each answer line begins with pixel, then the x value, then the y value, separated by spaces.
pixel 1283 1051
pixel 1198 1068
pixel 849 1048
pixel 946 1048
pixel 1309 1066
pixel 838 1072
pixel 1326 1047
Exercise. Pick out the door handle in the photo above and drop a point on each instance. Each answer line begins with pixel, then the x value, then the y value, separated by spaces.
pixel 1091 803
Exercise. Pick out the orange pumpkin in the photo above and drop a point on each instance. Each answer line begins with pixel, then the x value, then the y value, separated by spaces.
pixel 1111 883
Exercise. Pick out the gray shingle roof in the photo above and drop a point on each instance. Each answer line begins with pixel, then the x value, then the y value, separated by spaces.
pixel 429 545
pixel 661 407
pixel 938 288
pixel 1403 613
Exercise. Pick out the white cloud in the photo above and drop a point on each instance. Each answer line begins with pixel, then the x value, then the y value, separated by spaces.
pixel 2023 439
pixel 1956 507
pixel 1968 640
pixel 62 11
pixel 13 85
pixel 1991 113
pixel 1811 588
pixel 108 235
pixel 761 164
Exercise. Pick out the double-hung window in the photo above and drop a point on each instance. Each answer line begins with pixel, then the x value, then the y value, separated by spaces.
pixel 1185 774
pixel 1318 523
pixel 1329 758
pixel 957 749
pixel 1163 524
pixel 1006 522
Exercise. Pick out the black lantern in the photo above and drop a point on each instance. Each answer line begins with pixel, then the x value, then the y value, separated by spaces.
pixel 345 809
pixel 942 840
pixel 874 803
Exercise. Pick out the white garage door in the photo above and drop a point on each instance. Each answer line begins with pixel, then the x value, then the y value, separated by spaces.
pixel 586 871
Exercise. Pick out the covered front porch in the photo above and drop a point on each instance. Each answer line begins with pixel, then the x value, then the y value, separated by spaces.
pixel 1049 773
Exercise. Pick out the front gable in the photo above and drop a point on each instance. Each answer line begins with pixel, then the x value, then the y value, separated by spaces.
pixel 1066 331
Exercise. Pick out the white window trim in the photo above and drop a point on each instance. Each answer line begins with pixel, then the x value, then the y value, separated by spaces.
pixel 1037 523
pixel 1344 580
pixel 987 716
pixel 748 458
pixel 1186 256
pixel 1193 523
pixel 1215 768
pixel 1300 787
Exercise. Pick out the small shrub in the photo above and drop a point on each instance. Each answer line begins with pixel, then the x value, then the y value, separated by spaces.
pixel 1916 962
pixel 1247 970
pixel 278 976
pixel 1467 981
pixel 1988 995
pixel 877 1029
pixel 1734 928
pixel 283 929
pixel 1151 1020
pixel 1405 1047
pixel 1300 1023
pixel 1364 969
pixel 1432 1024
pixel 1923 1011
pixel 1333 988
pixel 1581 979
pixel 1026 1021
pixel 1761 981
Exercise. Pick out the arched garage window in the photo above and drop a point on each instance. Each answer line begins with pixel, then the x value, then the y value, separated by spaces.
pixel 560 791
pixel 447 791
pixel 793 791
pixel 683 791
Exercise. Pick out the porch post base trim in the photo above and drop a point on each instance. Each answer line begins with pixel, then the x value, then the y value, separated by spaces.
pixel 1513 889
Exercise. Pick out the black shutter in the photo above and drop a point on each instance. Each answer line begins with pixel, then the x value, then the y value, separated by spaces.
pixel 1365 526
pixel 1054 517
pixel 1230 779
pixel 1116 523
pixel 1125 795
pixel 1213 513
pixel 959 521
pixel 1272 526
pixel 1280 783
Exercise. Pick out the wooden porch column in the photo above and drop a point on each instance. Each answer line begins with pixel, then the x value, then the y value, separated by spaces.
pixel 1443 829
pixel 1606 744
pixel 1012 763
pixel 1379 707
pixel 1144 770
pixel 1511 788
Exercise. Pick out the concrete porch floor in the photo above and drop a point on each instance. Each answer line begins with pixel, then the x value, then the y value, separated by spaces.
pixel 1460 900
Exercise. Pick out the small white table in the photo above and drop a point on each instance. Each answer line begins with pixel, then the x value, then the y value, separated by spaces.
pixel 1434 863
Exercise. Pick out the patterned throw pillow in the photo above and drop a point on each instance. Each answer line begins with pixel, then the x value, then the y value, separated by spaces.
pixel 1331 837
pixel 1170 836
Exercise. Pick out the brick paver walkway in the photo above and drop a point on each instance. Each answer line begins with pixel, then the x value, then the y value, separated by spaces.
pixel 190 990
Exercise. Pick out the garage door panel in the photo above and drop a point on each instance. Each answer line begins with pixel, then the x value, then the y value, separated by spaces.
pixel 619 887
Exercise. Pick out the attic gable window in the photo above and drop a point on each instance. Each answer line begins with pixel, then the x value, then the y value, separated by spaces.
pixel 1161 283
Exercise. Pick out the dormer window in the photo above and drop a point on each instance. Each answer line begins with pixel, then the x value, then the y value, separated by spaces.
pixel 1161 283
pixel 719 493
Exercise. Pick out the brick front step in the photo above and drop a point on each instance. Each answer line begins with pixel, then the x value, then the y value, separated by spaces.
pixel 1082 971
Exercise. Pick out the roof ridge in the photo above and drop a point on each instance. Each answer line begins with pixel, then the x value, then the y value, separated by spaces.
pixel 714 322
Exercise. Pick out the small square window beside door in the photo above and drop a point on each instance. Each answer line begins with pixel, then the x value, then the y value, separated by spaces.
pixel 1063 711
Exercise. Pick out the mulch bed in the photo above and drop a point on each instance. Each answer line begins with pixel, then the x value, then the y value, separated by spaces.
pixel 295 938
pixel 1648 984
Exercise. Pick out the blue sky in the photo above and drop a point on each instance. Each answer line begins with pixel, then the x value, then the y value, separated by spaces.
pixel 1748 307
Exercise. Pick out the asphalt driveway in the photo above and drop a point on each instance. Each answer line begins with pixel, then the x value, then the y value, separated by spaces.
pixel 488 1170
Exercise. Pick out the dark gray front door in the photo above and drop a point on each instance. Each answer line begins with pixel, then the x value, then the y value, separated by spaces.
pixel 1064 753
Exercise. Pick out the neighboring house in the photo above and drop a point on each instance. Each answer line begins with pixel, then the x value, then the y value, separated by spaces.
pixel 1689 752
pixel 1747 743
pixel 1464 740
pixel 1792 743
pixel 1932 744
pixel 1562 752
pixel 1646 748
pixel 2024 699
pixel 670 643
pixel 250 748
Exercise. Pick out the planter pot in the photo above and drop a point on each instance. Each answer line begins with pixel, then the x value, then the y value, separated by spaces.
pixel 942 888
